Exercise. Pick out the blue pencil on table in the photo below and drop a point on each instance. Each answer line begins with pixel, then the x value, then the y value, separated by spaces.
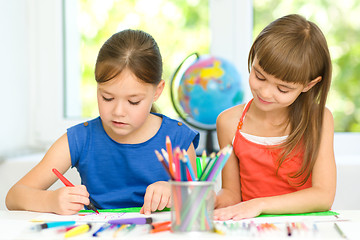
pixel 53 224
pixel 102 228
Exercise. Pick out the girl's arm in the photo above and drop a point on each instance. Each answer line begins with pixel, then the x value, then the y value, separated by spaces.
pixel 30 192
pixel 158 194
pixel 226 126
pixel 319 197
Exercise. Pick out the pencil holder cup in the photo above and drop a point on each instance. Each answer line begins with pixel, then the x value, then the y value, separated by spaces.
pixel 192 206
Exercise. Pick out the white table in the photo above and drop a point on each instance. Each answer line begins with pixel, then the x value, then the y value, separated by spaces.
pixel 17 224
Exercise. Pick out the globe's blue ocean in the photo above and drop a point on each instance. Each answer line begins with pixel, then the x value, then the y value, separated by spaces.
pixel 208 87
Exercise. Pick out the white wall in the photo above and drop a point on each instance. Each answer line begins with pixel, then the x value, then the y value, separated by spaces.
pixel 14 75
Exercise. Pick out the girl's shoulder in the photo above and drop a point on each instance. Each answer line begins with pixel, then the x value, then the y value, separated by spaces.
pixel 328 119
pixel 232 114
pixel 178 131
pixel 228 120
pixel 87 124
pixel 173 124
pixel 82 130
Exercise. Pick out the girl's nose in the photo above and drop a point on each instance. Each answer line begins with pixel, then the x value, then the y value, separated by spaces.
pixel 119 109
pixel 266 91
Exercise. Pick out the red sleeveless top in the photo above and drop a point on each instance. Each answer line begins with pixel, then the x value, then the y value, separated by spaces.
pixel 258 166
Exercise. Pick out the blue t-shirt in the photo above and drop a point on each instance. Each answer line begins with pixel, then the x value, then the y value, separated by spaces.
pixel 116 175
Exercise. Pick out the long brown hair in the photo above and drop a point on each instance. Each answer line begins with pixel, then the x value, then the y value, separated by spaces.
pixel 135 50
pixel 294 50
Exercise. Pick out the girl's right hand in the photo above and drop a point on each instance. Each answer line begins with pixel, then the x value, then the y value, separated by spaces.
pixel 248 209
pixel 69 200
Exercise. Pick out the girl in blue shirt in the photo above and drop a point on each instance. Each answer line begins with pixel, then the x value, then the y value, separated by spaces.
pixel 113 153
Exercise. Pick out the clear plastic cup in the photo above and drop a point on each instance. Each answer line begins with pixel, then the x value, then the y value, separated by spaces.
pixel 192 206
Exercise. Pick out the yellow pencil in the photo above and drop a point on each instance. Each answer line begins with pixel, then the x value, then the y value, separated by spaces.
pixel 78 230
pixel 119 229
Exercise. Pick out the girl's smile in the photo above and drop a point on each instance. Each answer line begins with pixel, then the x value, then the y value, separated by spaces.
pixel 263 101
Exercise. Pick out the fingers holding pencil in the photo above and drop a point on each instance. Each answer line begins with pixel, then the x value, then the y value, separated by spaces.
pixel 69 200
pixel 67 183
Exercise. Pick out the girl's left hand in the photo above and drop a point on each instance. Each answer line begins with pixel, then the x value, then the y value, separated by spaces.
pixel 157 197
pixel 242 210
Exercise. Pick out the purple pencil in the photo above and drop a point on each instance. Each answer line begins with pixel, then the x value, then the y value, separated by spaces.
pixel 137 221
pixel 220 163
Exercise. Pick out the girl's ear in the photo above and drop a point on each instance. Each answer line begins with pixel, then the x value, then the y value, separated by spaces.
pixel 311 84
pixel 159 89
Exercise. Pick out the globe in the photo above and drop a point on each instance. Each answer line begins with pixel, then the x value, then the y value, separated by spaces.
pixel 206 86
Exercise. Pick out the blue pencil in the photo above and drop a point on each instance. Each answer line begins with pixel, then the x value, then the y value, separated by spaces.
pixel 102 228
pixel 183 169
pixel 188 165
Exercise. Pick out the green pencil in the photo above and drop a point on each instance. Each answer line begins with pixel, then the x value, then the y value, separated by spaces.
pixel 198 167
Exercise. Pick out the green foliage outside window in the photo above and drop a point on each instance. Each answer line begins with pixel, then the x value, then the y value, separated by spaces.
pixel 182 26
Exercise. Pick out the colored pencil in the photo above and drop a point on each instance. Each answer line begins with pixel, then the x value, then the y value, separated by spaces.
pixel 176 161
pixel 162 161
pixel 220 163
pixel 203 158
pixel 69 184
pixel 198 167
pixel 78 230
pixel 208 166
pixel 166 155
pixel 188 165
pixel 170 154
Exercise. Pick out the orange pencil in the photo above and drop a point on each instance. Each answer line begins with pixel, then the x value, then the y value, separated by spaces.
pixel 160 224
pixel 160 229
pixel 169 151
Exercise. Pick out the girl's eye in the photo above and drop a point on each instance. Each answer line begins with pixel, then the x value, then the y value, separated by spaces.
pixel 282 91
pixel 107 99
pixel 134 103
pixel 259 78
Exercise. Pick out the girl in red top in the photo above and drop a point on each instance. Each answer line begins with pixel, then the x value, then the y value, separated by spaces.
pixel 283 158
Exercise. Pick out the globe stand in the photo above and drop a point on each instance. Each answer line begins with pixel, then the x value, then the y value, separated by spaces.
pixel 209 144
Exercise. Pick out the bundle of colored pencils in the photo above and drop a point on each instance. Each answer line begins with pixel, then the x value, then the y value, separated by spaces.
pixel 191 193
pixel 177 163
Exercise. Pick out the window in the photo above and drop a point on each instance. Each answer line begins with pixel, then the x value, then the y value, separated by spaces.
pixel 52 113
pixel 180 28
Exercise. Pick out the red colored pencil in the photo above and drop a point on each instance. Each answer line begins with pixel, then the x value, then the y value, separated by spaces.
pixel 69 184
pixel 62 178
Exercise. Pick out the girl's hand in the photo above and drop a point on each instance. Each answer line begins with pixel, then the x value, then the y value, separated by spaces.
pixel 248 209
pixel 69 200
pixel 157 197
